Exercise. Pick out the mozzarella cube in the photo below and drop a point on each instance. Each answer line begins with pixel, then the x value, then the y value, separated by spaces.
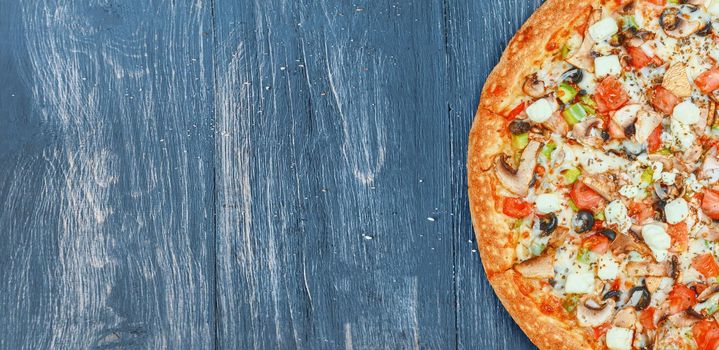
pixel 713 7
pixel 676 211
pixel 658 240
pixel 683 134
pixel 603 29
pixel 686 113
pixel 540 111
pixel 548 203
pixel 608 267
pixel 607 65
pixel 579 282
pixel 619 338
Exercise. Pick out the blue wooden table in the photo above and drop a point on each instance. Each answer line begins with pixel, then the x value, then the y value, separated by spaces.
pixel 252 174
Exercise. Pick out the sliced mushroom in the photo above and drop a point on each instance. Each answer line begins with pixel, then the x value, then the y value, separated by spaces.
pixel 582 131
pixel 708 293
pixel 534 87
pixel 677 22
pixel 647 121
pixel 583 57
pixel 538 267
pixel 592 313
pixel 626 115
pixel 643 269
pixel 676 80
pixel 518 127
pixel 625 318
pixel 517 181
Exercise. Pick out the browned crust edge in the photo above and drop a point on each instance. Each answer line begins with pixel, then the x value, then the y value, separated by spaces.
pixel 545 331
pixel 492 228
pixel 528 48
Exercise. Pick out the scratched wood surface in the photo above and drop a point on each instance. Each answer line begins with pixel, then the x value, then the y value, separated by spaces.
pixel 199 174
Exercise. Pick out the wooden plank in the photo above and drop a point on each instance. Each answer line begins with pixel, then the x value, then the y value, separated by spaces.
pixel 478 32
pixel 334 191
pixel 106 176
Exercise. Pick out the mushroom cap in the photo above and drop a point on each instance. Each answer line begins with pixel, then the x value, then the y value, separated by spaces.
pixel 517 181
pixel 682 21
pixel 592 313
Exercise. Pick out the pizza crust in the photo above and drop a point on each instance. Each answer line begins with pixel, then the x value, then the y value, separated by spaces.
pixel 488 138
pixel 544 330
pixel 554 21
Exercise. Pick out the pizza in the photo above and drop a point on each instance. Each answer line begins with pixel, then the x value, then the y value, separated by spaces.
pixel 593 175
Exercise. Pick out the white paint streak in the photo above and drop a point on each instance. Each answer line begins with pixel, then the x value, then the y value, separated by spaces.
pixel 360 100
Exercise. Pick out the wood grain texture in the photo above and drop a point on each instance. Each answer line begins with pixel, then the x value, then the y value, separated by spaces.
pixel 334 194
pixel 106 178
pixel 203 174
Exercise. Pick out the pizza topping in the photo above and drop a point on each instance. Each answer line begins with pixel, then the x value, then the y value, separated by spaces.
pixel 619 338
pixel 663 100
pixel 681 22
pixel 518 127
pixel 537 267
pixel 580 281
pixel 621 201
pixel 617 215
pixel 583 221
pixel 540 110
pixel 548 203
pixel 610 95
pixel 607 66
pixel 548 223
pixel 593 313
pixel 676 211
pixel 710 204
pixel 656 237
pixel 534 87
pixel 676 80
pixel 708 81
pixel 517 181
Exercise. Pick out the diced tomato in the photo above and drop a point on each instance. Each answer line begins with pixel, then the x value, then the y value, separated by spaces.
pixel 516 208
pixel 663 100
pixel 639 58
pixel 710 204
pixel 616 284
pixel 516 111
pixel 680 237
pixel 585 197
pixel 646 318
pixel 681 298
pixel 654 142
pixel 596 243
pixel 708 81
pixel 641 211
pixel 610 95
pixel 706 265
pixel 706 334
